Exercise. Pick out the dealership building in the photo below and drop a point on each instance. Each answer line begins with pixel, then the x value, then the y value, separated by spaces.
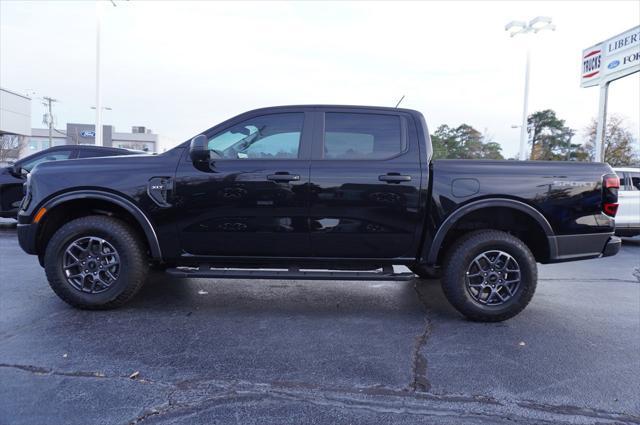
pixel 140 138
pixel 18 139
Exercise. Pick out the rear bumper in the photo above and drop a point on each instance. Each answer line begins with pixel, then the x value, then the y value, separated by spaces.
pixel 612 247
pixel 583 247
pixel 9 214
pixel 27 234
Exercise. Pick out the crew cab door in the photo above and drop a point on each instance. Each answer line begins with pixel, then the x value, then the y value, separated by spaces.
pixel 250 199
pixel 365 185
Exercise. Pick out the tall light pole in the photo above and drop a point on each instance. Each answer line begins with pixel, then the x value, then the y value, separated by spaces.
pixel 98 137
pixel 98 87
pixel 536 25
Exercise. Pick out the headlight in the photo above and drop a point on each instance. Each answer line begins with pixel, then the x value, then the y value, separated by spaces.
pixel 26 190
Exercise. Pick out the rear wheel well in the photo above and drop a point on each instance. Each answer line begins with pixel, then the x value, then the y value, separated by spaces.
pixel 63 213
pixel 510 220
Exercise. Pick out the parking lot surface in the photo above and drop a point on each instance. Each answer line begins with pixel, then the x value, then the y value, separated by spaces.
pixel 290 352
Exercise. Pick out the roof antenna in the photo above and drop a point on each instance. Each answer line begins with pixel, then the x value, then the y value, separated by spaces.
pixel 400 101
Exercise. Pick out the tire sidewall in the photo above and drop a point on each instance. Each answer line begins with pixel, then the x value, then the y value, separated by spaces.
pixel 456 277
pixel 54 262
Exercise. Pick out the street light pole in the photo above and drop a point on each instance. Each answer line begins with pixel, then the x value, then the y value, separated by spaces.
pixel 525 110
pixel 536 25
pixel 98 137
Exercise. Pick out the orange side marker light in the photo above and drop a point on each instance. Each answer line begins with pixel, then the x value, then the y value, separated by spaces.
pixel 39 215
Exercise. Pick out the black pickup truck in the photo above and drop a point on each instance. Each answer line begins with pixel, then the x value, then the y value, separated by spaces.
pixel 315 192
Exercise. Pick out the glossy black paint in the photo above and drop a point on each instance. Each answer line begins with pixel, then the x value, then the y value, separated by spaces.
pixel 336 213
pixel 245 207
pixel 11 181
pixel 357 208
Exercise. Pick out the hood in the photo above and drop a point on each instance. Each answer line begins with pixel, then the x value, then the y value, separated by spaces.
pixel 112 173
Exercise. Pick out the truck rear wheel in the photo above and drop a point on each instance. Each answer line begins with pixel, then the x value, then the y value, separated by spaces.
pixel 489 275
pixel 95 262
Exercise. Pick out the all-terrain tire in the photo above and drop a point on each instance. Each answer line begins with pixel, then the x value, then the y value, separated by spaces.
pixel 131 272
pixel 460 259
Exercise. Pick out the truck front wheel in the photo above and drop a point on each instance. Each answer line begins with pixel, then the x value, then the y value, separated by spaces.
pixel 95 262
pixel 489 275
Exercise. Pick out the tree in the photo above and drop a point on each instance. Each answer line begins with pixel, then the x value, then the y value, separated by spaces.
pixel 463 142
pixel 620 147
pixel 10 147
pixel 550 138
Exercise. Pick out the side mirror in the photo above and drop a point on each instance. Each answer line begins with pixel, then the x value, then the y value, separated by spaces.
pixel 199 149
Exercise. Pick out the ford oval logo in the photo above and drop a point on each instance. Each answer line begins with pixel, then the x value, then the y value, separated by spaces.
pixel 88 133
pixel 613 64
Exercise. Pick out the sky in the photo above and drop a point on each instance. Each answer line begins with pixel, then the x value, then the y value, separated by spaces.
pixel 180 67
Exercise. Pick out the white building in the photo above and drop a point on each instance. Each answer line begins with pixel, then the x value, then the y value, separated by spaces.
pixel 18 139
pixel 15 124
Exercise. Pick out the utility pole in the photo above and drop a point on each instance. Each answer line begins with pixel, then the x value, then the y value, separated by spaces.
pixel 48 101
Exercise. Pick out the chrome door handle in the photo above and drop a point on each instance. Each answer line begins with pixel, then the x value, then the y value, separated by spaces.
pixel 277 177
pixel 394 178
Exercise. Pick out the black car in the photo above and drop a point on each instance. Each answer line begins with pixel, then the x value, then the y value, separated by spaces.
pixel 316 192
pixel 13 177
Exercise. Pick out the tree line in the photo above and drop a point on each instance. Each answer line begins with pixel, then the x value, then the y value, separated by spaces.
pixel 549 139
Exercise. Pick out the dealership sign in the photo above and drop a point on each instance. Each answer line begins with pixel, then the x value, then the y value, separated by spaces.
pixel 611 59
pixel 88 133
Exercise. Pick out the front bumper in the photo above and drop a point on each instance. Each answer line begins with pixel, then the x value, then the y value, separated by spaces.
pixel 27 237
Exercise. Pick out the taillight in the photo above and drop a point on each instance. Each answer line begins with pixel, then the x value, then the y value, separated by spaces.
pixel 610 186
pixel 610 208
pixel 611 181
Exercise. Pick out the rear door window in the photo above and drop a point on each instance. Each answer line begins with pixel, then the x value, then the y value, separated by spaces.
pixel 362 136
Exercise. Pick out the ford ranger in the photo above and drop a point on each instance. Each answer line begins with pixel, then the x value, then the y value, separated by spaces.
pixel 315 192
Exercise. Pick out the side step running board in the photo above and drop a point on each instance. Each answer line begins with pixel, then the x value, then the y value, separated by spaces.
pixel 293 273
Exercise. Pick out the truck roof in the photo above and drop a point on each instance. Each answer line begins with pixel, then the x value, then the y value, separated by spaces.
pixel 332 106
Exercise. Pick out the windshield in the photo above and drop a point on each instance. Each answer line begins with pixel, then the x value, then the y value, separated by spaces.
pixel 30 162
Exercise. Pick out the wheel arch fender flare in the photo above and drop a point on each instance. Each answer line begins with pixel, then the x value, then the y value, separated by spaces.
pixel 127 205
pixel 455 216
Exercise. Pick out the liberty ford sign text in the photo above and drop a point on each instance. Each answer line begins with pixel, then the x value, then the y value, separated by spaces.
pixel 611 59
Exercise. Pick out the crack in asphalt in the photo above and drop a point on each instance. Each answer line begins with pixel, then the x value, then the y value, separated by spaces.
pixel 406 404
pixel 193 396
pixel 420 383
pixel 578 411
pixel 44 371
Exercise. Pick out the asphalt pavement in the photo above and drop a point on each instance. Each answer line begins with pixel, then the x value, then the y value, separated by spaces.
pixel 189 351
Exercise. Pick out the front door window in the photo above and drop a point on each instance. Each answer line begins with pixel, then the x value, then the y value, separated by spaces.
pixel 275 136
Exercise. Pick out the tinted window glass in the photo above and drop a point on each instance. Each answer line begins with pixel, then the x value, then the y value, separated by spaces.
pixel 274 136
pixel 361 136
pixel 49 156
pixel 635 180
pixel 93 153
